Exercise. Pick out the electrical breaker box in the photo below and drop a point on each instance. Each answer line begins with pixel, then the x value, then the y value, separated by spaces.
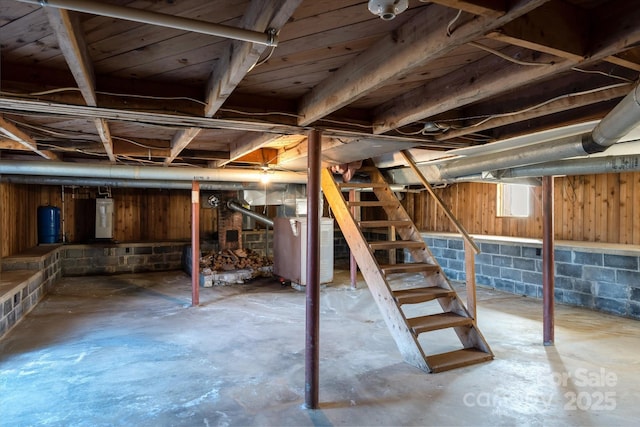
pixel 104 218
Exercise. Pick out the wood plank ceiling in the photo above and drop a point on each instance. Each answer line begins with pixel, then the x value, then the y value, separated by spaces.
pixel 445 74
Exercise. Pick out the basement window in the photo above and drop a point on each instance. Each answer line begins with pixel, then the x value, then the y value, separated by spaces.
pixel 513 200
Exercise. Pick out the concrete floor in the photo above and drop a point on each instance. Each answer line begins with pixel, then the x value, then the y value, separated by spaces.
pixel 128 350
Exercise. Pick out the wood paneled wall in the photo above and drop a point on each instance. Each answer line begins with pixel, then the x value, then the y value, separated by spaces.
pixel 593 208
pixel 139 215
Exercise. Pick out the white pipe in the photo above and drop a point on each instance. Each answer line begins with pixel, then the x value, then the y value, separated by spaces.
pixel 619 122
pixel 588 166
pixel 107 171
pixel 160 19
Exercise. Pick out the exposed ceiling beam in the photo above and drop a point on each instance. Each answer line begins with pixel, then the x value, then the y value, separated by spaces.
pixel 180 140
pixel 242 56
pixel 10 131
pixel 562 104
pixel 12 144
pixel 557 28
pixel 249 142
pixel 487 78
pixel 490 8
pixel 67 29
pixel 423 38
pixel 629 59
pixel 262 156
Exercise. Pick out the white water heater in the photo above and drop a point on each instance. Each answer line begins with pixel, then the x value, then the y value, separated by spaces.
pixel 104 218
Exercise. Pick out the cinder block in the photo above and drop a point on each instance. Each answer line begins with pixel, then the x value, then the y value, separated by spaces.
pixel 583 286
pixel 611 305
pixel 483 280
pixel 532 277
pixel 626 277
pixel 511 250
pixel 612 291
pixel 564 282
pixel 634 310
pixel 484 259
pixel 599 274
pixel 529 252
pixel 621 261
pixel 490 248
pixel 11 319
pixel 143 250
pixel 440 243
pixel 634 295
pixel 531 290
pixel 569 270
pixel 520 288
pixel 524 264
pixel 587 258
pixel 577 298
pixel 456 265
pixel 455 244
pixel 560 255
pixel 502 261
pixel 490 270
pixel 504 285
pixel 511 274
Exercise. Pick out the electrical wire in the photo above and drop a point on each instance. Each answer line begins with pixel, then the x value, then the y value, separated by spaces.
pixel 613 76
pixel 507 57
pixel 453 21
pixel 131 141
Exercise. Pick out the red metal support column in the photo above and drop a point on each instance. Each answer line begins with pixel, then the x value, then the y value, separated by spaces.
pixel 195 243
pixel 312 342
pixel 548 274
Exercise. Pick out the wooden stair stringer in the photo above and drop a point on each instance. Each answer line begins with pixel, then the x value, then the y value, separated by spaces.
pixel 380 290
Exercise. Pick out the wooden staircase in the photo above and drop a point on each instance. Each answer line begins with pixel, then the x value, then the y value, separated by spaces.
pixel 394 300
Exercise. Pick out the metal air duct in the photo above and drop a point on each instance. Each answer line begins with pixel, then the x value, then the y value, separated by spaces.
pixel 108 171
pixel 594 165
pixel 235 206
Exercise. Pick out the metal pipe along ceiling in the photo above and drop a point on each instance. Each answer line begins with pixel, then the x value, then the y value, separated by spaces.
pixel 588 166
pixel 160 19
pixel 140 183
pixel 106 171
pixel 620 121
pixel 235 206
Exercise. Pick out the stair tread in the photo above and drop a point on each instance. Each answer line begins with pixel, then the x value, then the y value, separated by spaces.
pixel 372 203
pixel 385 223
pixel 415 267
pixel 438 321
pixel 457 359
pixel 361 185
pixel 418 295
pixel 395 244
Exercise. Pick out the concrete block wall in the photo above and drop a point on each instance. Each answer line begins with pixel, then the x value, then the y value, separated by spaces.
pixel 28 280
pixel 603 278
pixel 86 260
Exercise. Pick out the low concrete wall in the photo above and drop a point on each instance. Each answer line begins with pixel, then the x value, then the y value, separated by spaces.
pixel 604 277
pixel 24 281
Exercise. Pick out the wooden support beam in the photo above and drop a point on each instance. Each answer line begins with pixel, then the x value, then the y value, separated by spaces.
pixel 66 27
pixel 566 103
pixel 261 156
pixel 10 131
pixel 160 148
pixel 180 140
pixel 243 56
pixel 486 78
pixel 490 8
pixel 12 144
pixel 629 59
pixel 557 28
pixel 245 145
pixel 422 39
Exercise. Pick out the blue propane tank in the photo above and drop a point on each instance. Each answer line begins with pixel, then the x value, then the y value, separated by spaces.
pixel 48 224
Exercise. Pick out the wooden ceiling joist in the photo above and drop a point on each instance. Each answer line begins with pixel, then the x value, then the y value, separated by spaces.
pixel 180 140
pixel 562 104
pixel 490 8
pixel 487 78
pixel 10 131
pixel 66 27
pixel 422 39
pixel 251 141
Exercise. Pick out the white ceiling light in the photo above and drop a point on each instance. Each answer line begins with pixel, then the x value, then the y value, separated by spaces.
pixel 388 9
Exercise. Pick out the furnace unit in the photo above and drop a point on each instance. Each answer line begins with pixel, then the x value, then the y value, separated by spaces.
pixel 290 249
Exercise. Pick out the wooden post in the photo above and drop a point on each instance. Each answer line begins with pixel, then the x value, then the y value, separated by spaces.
pixel 548 279
pixel 195 243
pixel 470 272
pixel 312 344
pixel 353 265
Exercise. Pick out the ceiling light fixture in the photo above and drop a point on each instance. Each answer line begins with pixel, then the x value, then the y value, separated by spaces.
pixel 388 9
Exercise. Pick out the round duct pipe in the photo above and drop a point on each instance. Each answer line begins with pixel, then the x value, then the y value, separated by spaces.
pixel 106 171
pixel 141 183
pixel 619 122
pixel 235 206
pixel 588 166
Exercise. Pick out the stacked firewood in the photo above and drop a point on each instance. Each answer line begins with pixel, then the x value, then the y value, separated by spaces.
pixel 234 260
